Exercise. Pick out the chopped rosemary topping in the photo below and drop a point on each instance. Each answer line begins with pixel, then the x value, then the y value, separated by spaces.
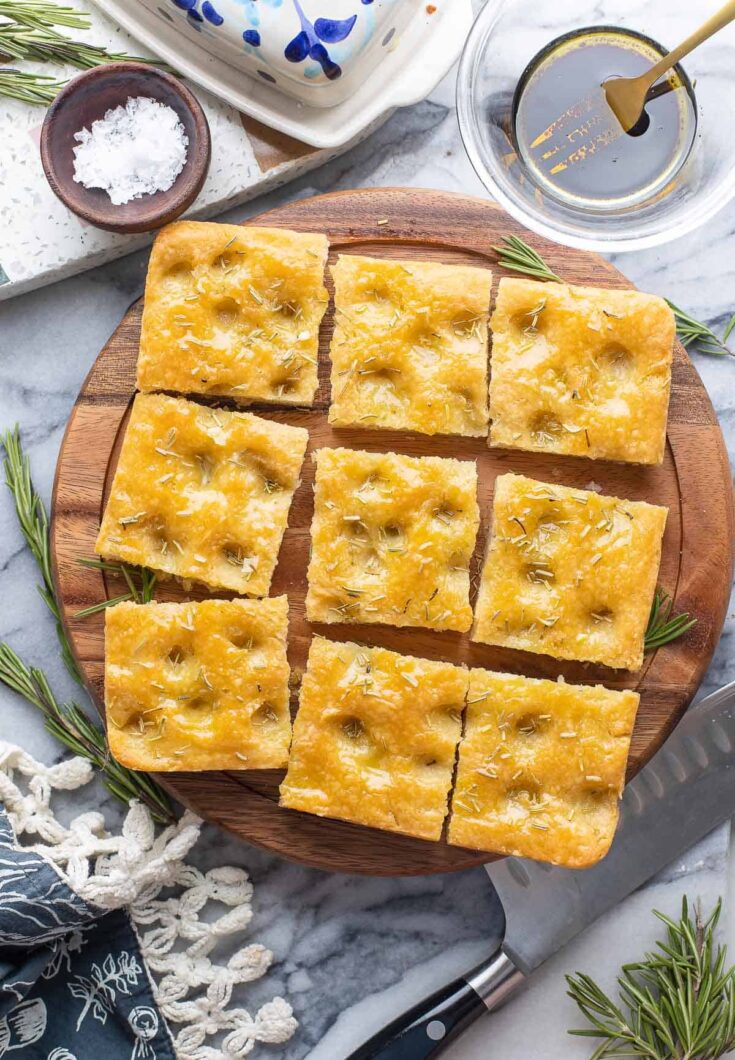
pixel 206 468
pixel 533 315
pixel 662 628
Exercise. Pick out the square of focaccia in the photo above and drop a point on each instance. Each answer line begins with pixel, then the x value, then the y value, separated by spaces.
pixel 233 311
pixel 391 539
pixel 569 573
pixel 202 493
pixel 580 370
pixel 198 685
pixel 375 737
pixel 409 350
pixel 541 768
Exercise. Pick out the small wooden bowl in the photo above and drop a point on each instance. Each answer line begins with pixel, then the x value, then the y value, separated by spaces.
pixel 87 98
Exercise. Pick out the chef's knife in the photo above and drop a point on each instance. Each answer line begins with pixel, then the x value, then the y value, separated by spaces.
pixel 685 791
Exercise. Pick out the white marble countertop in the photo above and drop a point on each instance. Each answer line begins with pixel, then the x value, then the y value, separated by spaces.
pixel 351 952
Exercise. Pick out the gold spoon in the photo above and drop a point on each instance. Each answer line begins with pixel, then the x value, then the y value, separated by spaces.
pixel 626 96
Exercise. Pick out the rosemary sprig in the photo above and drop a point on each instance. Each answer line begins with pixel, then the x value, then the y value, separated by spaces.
pixel 69 724
pixel 728 328
pixel 46 45
pixel 34 526
pixel 141 584
pixel 27 32
pixel 41 15
pixel 37 89
pixel 680 999
pixel 699 336
pixel 517 256
pixel 662 628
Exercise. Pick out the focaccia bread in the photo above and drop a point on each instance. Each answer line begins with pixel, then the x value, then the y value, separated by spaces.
pixel 569 573
pixel 375 738
pixel 233 311
pixel 392 538
pixel 202 493
pixel 198 685
pixel 541 768
pixel 580 370
pixel 409 350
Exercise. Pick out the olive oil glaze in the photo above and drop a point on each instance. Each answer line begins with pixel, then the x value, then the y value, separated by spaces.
pixel 568 138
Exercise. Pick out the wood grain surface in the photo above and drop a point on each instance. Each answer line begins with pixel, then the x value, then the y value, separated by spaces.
pixel 693 482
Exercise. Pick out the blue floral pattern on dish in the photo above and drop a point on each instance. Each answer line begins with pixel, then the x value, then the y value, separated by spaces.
pixel 208 12
pixel 312 41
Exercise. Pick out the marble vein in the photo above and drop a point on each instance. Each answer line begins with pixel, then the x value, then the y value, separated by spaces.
pixel 351 952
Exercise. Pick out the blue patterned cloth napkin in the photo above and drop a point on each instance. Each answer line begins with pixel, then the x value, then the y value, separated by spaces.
pixel 73 982
pixel 114 946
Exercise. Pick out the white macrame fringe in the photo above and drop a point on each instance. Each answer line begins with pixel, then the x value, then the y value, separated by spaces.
pixel 131 869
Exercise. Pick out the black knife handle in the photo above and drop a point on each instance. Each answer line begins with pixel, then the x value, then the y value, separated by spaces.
pixel 426 1029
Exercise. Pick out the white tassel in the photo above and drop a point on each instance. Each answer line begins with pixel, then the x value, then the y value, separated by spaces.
pixel 131 870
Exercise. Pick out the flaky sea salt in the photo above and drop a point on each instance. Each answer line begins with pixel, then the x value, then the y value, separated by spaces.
pixel 133 151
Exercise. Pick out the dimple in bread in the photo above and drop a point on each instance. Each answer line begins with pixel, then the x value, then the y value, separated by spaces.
pixel 233 311
pixel 202 493
pixel 197 686
pixel 569 572
pixel 409 350
pixel 392 538
pixel 541 768
pixel 375 738
pixel 580 370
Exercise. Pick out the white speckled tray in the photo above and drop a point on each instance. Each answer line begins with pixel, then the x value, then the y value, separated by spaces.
pixel 41 241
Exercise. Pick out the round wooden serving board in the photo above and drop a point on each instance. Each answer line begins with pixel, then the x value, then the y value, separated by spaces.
pixel 693 482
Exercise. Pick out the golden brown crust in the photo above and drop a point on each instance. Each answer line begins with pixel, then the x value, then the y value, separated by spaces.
pixel 392 538
pixel 233 311
pixel 375 738
pixel 409 350
pixel 198 685
pixel 202 493
pixel 580 370
pixel 541 768
pixel 569 573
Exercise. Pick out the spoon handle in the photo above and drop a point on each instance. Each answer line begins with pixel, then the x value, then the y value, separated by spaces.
pixel 707 29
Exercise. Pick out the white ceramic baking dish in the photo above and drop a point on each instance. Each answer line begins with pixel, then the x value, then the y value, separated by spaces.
pixel 319 70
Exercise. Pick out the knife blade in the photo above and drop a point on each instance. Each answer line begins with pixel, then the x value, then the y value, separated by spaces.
pixel 685 791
